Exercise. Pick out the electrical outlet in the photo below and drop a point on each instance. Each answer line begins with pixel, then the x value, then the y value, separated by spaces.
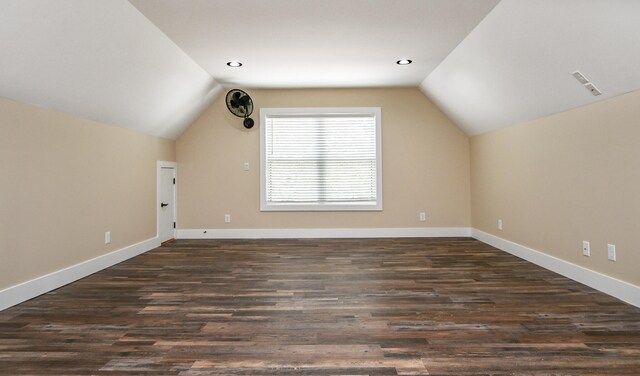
pixel 586 248
pixel 107 237
pixel 423 216
pixel 227 218
pixel 500 224
pixel 611 252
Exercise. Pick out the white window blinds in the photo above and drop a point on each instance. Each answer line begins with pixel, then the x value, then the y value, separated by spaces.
pixel 320 159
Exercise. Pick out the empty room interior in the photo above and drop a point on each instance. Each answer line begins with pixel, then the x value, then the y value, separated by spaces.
pixel 320 187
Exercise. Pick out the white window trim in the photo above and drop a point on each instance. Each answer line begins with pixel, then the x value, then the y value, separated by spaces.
pixel 265 206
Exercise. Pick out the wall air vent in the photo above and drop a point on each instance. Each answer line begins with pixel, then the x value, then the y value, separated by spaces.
pixel 593 89
pixel 586 83
pixel 580 77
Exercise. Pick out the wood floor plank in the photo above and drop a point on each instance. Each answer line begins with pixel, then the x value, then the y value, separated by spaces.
pixel 443 306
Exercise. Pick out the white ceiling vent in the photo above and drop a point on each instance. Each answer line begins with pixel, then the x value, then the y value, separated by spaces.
pixel 580 77
pixel 593 89
pixel 586 83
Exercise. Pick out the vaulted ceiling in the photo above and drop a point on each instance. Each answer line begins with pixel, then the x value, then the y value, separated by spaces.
pixel 155 65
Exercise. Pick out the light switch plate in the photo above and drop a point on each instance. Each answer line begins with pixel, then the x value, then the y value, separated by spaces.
pixel 611 252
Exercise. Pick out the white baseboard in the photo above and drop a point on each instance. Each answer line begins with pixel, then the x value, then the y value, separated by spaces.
pixel 419 232
pixel 30 289
pixel 609 285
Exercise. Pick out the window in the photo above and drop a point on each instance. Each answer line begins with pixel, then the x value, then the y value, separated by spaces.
pixel 320 159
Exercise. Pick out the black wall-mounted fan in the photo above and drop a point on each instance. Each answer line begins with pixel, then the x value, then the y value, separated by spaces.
pixel 241 105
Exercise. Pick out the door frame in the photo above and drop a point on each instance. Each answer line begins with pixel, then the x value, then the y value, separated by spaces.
pixel 159 166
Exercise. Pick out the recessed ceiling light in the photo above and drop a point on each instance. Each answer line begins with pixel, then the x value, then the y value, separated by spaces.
pixel 403 62
pixel 234 64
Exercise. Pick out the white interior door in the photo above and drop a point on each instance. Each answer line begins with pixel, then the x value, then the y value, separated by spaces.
pixel 166 221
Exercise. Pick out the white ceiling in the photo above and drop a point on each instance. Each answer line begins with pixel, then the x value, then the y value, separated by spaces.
pixel 155 65
pixel 324 43
pixel 102 60
pixel 516 65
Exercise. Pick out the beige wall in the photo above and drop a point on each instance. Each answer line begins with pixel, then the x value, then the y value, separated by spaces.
pixel 563 179
pixel 425 160
pixel 554 182
pixel 67 180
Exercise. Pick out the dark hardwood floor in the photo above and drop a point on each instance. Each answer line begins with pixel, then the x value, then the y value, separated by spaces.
pixel 448 306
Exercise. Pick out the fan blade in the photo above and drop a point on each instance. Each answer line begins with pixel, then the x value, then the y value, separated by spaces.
pixel 239 103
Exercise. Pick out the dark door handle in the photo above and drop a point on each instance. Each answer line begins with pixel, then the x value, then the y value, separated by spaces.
pixel 162 204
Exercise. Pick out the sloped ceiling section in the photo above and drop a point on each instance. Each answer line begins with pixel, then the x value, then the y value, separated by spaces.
pixel 516 65
pixel 155 65
pixel 101 60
